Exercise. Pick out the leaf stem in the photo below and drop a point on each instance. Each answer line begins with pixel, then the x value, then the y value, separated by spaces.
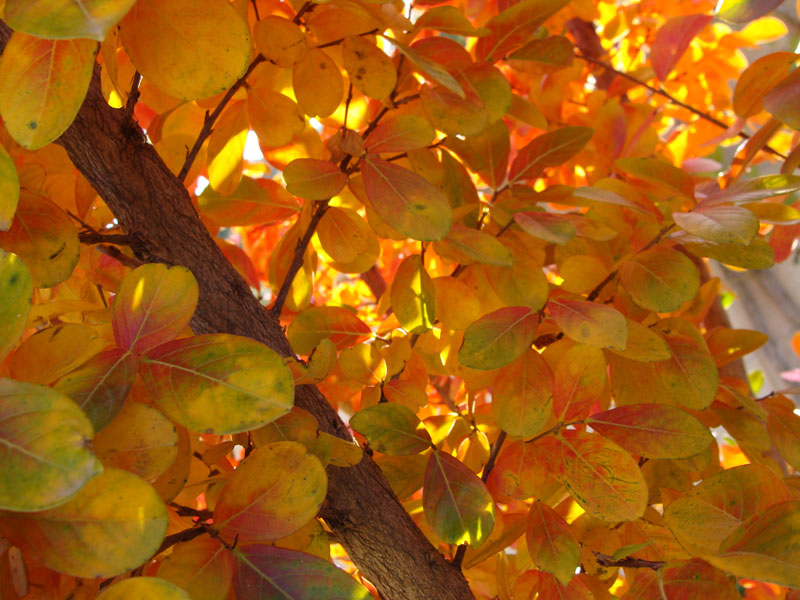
pixel 628 562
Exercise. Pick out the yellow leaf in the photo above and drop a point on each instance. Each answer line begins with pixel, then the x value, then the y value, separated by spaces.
pixel 42 85
pixel 413 296
pixel 371 71
pixel 16 293
pixel 280 41
pixel 226 149
pixel 203 567
pixel 144 587
pixel 190 49
pixel 317 83
pixel 62 19
pixel 9 189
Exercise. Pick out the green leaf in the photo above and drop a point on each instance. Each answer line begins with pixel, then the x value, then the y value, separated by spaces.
pixel 758 255
pixel 9 189
pixel 498 338
pixel 743 11
pixel 457 504
pixel 313 179
pixel 218 383
pixel 522 395
pixel 46 447
pixel 392 429
pixel 479 246
pixel 16 294
pixel 413 295
pixel 63 19
pixel 660 279
pixel 552 544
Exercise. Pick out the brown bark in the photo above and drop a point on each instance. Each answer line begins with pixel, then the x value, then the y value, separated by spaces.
pixel 155 209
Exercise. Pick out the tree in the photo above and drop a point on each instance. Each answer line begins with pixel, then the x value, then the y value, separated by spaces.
pixel 478 236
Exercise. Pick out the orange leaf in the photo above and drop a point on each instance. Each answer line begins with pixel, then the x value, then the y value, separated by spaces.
pixel 590 323
pixel 522 395
pixel 498 338
pixel 317 323
pixel 317 83
pixel 579 381
pixel 254 202
pixel 551 543
pixel 313 179
pixel 672 40
pixel 514 26
pixel 548 150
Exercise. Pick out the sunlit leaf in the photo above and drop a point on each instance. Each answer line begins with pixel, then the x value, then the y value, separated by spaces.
pixel 475 245
pixel 457 504
pixel 742 11
pixel 546 226
pixel 254 202
pixel 430 68
pixel 548 150
pixel 317 83
pixel 271 494
pixel 16 293
pixel 406 201
pixel 758 255
pixel 602 478
pixel 9 189
pixel 673 39
pixel 579 380
pixel 727 345
pixel 218 383
pixel 46 457
pixel 143 587
pixel 269 573
pixel 43 236
pixel 399 132
pixel 391 429
pixel 554 51
pixel 758 79
pixel 42 85
pixel 66 18
pixel 643 344
pixel 317 323
pixel 413 295
pixel 725 224
pixel 653 430
pixel 371 72
pixel 660 279
pixel 448 19
pixel 551 543
pixel 691 579
pixel 452 114
pixel 514 26
pixel 153 305
pixel 520 471
pixel 778 102
pixel 522 395
pixel 280 41
pixel 275 118
pixel 590 323
pixel 225 150
pixel 114 524
pixel 313 179
pixel 498 338
pixel 163 39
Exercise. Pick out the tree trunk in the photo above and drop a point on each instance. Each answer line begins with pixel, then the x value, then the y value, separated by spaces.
pixel 155 209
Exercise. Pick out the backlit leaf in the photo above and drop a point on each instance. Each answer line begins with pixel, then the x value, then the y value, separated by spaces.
pixel 65 18
pixel 727 345
pixel 392 429
pixel 546 226
pixel 143 587
pixel 46 455
pixel 269 573
pixel 413 295
pixel 317 83
pixel 548 150
pixel 452 114
pixel 218 383
pixel 758 79
pixel 554 51
pixel 153 305
pixel 522 395
pixel 100 385
pixel 408 202
pixel 371 72
pixel 477 246
pixel 657 172
pixel 691 579
pixel 43 236
pixel 280 41
pixel 653 430
pixel 514 26
pixel 163 39
pixel 486 153
pixel 551 542
pixel 315 324
pixel 778 102
pixel 203 567
pixel 399 132
pixel 9 189
pixel 520 471
pixel 757 188
pixel 725 224
pixel 579 380
pixel 491 87
pixel 271 494
pixel 225 150
pixel 589 323
pixel 42 85
pixel 602 477
pixel 114 524
pixel 457 504
pixel 313 179
pixel 430 68
pixel 673 39
pixel 742 11
pixel 275 118
pixel 254 202
pixel 660 279
pixel 448 19
pixel 344 234
pixel 16 293
pixel 498 338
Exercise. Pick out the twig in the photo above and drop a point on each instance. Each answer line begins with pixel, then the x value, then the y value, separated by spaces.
pixel 631 563
pixel 303 10
pixel 255 9
pixel 188 511
pixel 210 119
pixel 493 456
pixel 133 98
pixel 695 111
pixel 299 252
pixel 459 556
pixel 338 41
pixel 114 253
pixel 182 536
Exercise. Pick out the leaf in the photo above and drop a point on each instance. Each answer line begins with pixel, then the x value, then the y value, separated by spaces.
pixel 690 376
pixel 452 114
pixel 9 189
pixel 486 153
pixel 660 279
pixel 457 504
pixel 551 543
pixel 727 345
pixel 254 202
pixel 657 172
pixel 691 579
pixel 153 305
pixel 42 85
pixel 553 51
pixel 64 19
pixel 514 26
pixel 317 83
pixel 363 363
pixel 673 39
pixel 579 381
pixel 448 19
pixel 758 79
pixel 522 395
pixel 313 179
pixel 590 323
pixel 406 201
pixel 520 471
pixel 164 39
pixel 114 524
pixel 725 224
pixel 315 324
pixel 203 567
pixel 271 494
pixel 546 226
pixel 743 11
pixel 758 255
pixel 371 72
pixel 100 385
pixel 653 430
pixel 643 345
pixel 391 429
pixel 280 41
pixel 413 295
pixel 765 547
pixel 498 338
pixel 550 149
pixel 275 118
pixel 269 573
pixel 46 454
pixel 475 245
pixel 140 440
pixel 778 102
pixel 602 477
pixel 598 194
pixel 297 425
pixel 218 383
pixel 16 294
pixel 143 587
pixel 400 132
pixel 225 150
pixel 430 68
pixel 492 88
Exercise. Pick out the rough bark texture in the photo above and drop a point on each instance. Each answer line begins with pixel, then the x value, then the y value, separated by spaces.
pixel 154 208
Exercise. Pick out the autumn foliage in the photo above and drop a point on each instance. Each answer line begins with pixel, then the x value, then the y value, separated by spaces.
pixel 478 227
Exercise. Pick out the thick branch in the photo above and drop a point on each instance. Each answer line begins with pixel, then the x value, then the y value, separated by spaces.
pixel 151 203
